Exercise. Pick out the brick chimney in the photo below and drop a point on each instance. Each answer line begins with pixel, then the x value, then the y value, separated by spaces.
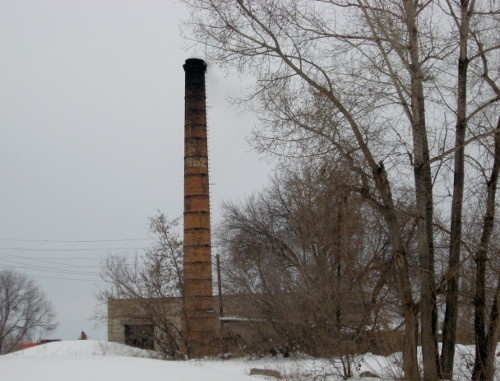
pixel 199 316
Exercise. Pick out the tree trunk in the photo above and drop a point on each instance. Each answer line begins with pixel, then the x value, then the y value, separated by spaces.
pixel 410 310
pixel 480 363
pixel 424 204
pixel 493 335
pixel 451 313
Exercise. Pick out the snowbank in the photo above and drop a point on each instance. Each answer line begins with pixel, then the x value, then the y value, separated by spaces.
pixel 80 348
pixel 107 369
pixel 97 360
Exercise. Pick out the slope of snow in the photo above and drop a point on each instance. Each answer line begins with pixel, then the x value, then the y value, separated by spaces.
pixel 96 360
pixel 108 369
pixel 99 360
pixel 82 348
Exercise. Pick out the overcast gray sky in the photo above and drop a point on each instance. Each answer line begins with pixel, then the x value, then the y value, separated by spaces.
pixel 91 139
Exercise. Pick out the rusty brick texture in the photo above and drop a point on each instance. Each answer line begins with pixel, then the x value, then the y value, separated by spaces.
pixel 199 317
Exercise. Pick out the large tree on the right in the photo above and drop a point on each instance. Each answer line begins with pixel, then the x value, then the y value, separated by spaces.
pixel 407 91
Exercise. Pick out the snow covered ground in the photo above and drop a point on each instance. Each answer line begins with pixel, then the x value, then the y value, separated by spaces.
pixel 100 360
pixel 310 369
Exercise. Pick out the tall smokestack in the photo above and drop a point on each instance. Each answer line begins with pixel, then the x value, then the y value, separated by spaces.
pixel 199 319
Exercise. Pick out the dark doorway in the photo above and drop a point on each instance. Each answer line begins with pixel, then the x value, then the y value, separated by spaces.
pixel 140 335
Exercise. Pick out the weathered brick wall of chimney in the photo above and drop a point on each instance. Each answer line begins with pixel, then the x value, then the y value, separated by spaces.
pixel 199 322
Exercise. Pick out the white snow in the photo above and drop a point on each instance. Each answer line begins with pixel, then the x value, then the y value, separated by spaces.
pixel 97 360
pixel 79 348
pixel 100 360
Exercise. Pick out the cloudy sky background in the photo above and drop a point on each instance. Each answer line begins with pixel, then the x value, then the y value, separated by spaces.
pixel 91 139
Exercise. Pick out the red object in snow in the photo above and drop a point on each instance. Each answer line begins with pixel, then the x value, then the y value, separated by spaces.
pixel 28 345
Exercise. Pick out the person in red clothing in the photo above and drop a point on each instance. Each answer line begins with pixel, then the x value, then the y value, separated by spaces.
pixel 83 336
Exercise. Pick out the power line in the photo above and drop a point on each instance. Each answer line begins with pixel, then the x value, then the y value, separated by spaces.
pixel 90 249
pixel 72 258
pixel 50 262
pixel 56 277
pixel 47 268
pixel 76 241
pixel 127 255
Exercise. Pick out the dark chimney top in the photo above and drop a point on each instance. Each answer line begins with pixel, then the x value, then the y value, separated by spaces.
pixel 195 64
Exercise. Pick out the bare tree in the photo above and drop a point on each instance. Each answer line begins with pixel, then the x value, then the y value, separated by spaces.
pixel 152 282
pixel 357 78
pixel 450 321
pixel 462 14
pixel 25 311
pixel 313 257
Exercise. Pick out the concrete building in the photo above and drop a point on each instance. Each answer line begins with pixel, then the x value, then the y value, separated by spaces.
pixel 157 323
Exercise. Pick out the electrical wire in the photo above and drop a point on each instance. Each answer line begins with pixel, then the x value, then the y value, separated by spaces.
pixel 44 260
pixel 55 277
pixel 49 269
pixel 75 258
pixel 62 257
pixel 49 262
pixel 55 265
pixel 76 241
pixel 63 250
